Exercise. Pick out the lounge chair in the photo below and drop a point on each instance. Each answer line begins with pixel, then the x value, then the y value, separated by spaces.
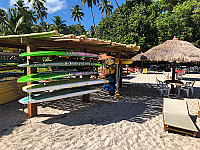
pixel 176 117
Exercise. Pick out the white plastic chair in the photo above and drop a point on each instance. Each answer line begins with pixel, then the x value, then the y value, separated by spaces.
pixel 166 75
pixel 180 75
pixel 163 87
pixel 188 86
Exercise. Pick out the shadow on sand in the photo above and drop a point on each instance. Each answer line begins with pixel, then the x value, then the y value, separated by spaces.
pixel 11 116
pixel 138 102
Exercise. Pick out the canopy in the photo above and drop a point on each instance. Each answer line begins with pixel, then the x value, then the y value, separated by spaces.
pixel 174 50
pixel 139 57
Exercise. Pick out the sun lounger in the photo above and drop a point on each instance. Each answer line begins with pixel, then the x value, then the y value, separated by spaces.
pixel 176 117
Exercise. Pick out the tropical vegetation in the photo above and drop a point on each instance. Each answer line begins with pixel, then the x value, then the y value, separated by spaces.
pixel 76 13
pixel 146 23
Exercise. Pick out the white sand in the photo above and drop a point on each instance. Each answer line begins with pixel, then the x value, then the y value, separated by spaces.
pixel 133 122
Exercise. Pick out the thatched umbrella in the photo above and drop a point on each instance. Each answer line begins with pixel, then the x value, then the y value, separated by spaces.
pixel 139 57
pixel 172 51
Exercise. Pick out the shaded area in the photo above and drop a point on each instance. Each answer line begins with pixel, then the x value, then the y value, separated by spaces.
pixel 10 117
pixel 137 104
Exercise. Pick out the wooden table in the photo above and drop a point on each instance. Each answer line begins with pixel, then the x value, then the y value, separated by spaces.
pixel 178 84
pixel 174 82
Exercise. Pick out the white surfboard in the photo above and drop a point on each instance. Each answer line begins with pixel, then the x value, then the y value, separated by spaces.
pixel 63 84
pixel 53 96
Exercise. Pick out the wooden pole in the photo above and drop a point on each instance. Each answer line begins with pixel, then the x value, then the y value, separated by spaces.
pixel 173 76
pixel 32 108
pixel 86 97
pixel 51 59
pixel 120 70
pixel 118 74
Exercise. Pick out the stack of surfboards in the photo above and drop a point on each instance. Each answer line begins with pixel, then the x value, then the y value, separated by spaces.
pixel 58 84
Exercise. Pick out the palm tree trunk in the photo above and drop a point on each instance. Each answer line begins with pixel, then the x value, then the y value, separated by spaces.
pixel 118 6
pixel 92 16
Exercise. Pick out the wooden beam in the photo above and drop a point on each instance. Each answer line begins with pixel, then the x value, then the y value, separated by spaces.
pixel 76 45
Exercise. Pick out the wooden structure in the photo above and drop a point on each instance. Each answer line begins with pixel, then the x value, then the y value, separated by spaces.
pixel 55 41
pixel 10 90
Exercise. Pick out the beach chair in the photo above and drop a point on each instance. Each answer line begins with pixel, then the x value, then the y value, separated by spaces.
pixel 163 87
pixel 176 117
pixel 188 86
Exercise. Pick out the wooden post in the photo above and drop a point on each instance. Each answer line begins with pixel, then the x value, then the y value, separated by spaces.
pixel 32 108
pixel 119 55
pixel 173 76
pixel 86 97
pixel 118 74
pixel 51 59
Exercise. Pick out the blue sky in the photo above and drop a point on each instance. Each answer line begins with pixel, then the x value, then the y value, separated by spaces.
pixel 62 8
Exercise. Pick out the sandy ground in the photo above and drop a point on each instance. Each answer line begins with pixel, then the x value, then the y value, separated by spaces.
pixel 133 122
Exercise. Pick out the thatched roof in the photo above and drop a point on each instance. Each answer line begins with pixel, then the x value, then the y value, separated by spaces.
pixel 139 57
pixel 174 50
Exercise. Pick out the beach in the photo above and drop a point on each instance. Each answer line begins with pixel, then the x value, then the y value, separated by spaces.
pixel 134 122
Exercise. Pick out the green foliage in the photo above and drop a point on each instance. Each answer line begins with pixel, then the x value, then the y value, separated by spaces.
pixel 18 20
pixel 38 6
pixel 148 23
pixel 105 6
pixel 77 29
pixel 183 21
pixel 58 24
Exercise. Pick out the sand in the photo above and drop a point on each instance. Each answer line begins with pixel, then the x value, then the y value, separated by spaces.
pixel 132 122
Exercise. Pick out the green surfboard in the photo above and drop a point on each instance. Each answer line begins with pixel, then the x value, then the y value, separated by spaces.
pixel 59 53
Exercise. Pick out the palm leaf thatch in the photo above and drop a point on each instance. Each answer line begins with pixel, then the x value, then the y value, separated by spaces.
pixel 174 50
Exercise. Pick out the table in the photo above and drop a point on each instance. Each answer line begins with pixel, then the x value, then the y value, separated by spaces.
pixel 174 82
pixel 178 84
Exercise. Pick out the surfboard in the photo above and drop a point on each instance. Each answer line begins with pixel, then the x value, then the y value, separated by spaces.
pixel 61 84
pixel 10 61
pixel 59 53
pixel 54 64
pixel 8 54
pixel 10 74
pixel 51 75
pixel 50 96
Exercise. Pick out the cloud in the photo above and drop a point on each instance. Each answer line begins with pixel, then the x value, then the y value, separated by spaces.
pixel 55 5
pixel 27 4
pixel 6 10
pixel 52 5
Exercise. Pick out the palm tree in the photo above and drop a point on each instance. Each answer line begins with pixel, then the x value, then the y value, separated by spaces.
pixel 59 24
pixel 76 13
pixel 118 7
pixel 38 5
pixel 90 3
pixel 14 21
pixel 41 13
pixel 2 16
pixel 37 2
pixel 105 6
